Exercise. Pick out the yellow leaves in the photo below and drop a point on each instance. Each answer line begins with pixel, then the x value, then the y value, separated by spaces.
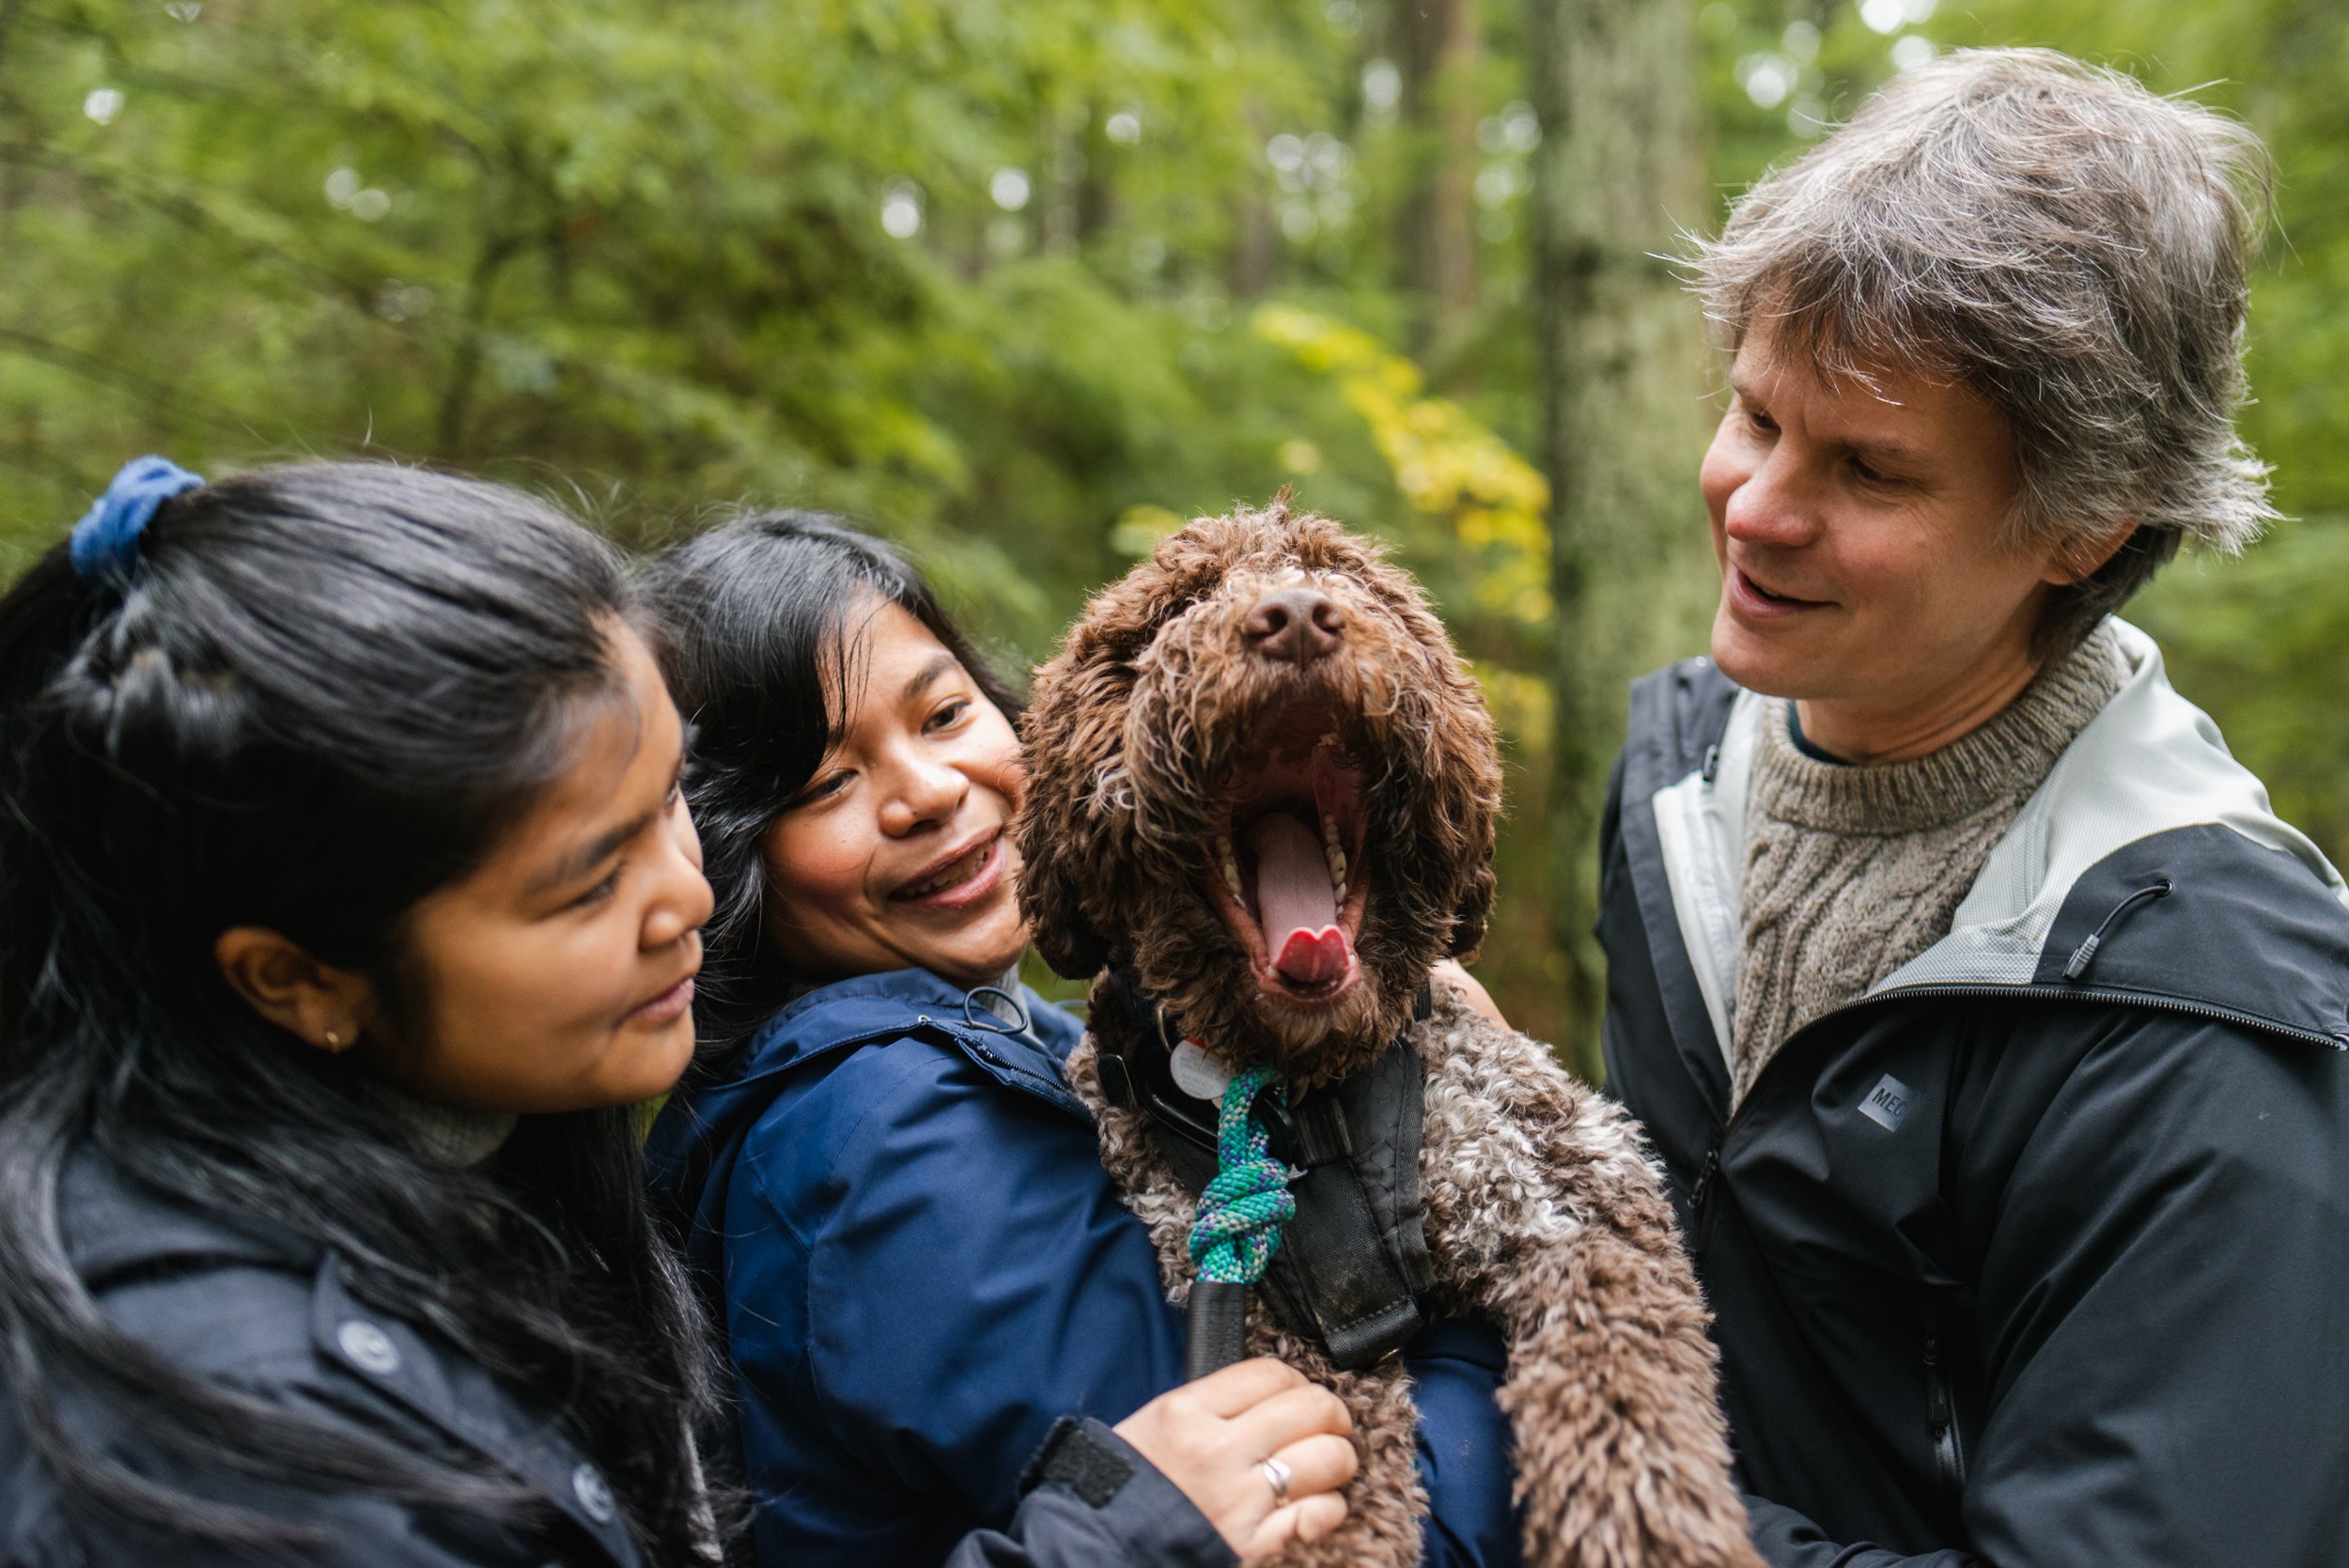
pixel 1519 703
pixel 1447 463
pixel 1137 529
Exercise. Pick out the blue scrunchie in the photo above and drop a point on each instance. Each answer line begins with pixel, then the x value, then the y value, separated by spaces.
pixel 106 540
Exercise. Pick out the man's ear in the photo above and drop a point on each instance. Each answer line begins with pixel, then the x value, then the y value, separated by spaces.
pixel 2075 562
pixel 314 1003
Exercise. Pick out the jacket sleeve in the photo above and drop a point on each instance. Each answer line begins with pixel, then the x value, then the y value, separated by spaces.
pixel 349 1531
pixel 965 1275
pixel 2163 1255
pixel 1787 1540
pixel 1093 1500
pixel 1456 1369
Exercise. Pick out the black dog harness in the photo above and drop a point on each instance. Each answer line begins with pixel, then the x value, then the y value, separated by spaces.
pixel 1353 1264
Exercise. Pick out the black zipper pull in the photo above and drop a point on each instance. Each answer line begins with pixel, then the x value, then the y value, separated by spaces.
pixel 2085 954
pixel 1700 1200
pixel 1949 1459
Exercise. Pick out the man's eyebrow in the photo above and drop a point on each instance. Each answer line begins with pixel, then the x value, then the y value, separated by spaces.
pixel 1897 452
pixel 1893 451
pixel 941 665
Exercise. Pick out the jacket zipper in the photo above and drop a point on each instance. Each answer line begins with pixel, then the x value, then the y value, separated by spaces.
pixel 2339 1042
pixel 1700 1201
pixel 1948 1449
pixel 1703 1195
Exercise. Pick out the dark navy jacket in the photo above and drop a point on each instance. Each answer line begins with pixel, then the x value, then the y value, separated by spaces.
pixel 268 1313
pixel 2036 1256
pixel 900 1211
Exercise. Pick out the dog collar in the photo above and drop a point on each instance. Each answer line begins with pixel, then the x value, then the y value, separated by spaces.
pixel 1353 1264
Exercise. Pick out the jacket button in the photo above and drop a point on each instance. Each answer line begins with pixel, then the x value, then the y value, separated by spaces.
pixel 370 1348
pixel 593 1493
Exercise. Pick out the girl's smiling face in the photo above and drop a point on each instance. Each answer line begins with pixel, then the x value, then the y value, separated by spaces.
pixel 895 855
pixel 559 975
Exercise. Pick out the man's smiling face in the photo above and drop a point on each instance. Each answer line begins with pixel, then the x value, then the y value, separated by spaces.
pixel 1861 532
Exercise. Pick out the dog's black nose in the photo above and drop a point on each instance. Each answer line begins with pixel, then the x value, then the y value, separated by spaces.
pixel 1295 626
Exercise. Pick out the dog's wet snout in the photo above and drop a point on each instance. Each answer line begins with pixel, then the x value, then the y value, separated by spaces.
pixel 1295 626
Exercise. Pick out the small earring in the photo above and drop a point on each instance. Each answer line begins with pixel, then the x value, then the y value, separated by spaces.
pixel 334 1041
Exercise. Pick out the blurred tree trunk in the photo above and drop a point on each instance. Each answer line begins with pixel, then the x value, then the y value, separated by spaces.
pixel 1063 177
pixel 1255 249
pixel 1621 366
pixel 1097 196
pixel 1437 44
pixel 1255 242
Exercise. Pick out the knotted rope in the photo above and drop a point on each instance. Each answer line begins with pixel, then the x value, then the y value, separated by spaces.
pixel 1243 1208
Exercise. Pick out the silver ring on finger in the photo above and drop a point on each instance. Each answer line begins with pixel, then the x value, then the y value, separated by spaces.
pixel 1279 1476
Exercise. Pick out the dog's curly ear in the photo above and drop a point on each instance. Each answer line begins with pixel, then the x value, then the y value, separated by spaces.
pixel 1476 909
pixel 1057 830
pixel 1466 754
pixel 1053 906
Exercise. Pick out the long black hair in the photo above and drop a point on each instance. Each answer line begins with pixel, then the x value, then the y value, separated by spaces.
pixel 322 693
pixel 756 624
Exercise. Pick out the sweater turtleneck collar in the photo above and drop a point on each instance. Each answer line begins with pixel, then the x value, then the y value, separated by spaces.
pixel 2014 752
pixel 451 1138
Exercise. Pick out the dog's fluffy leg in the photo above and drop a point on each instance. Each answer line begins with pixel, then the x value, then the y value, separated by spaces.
pixel 1542 1205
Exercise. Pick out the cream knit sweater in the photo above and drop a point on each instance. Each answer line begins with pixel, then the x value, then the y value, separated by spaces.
pixel 1853 870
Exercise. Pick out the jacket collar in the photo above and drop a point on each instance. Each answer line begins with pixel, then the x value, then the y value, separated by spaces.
pixel 872 1007
pixel 705 1121
pixel 2151 763
pixel 113 1230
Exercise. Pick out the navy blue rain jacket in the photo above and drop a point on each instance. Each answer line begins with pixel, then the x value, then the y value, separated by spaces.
pixel 899 1212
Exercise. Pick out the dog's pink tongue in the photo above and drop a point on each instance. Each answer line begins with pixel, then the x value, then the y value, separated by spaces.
pixel 1295 903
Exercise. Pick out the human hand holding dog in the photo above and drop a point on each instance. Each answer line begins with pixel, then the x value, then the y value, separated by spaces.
pixel 1211 1439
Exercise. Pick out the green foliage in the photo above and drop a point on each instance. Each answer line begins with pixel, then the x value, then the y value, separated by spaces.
pixel 642 248
pixel 991 277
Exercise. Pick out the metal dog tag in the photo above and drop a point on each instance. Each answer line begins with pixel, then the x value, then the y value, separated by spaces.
pixel 1198 1073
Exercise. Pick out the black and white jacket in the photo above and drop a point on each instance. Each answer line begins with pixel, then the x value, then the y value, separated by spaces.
pixel 2038 1253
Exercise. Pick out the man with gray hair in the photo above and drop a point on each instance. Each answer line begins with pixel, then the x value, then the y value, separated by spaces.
pixel 1989 1023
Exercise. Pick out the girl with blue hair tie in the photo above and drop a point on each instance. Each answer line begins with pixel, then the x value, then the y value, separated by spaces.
pixel 349 903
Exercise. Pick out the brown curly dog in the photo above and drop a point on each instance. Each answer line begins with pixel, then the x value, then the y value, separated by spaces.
pixel 1261 792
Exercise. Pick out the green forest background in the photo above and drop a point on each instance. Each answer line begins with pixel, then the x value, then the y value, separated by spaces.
pixel 1023 282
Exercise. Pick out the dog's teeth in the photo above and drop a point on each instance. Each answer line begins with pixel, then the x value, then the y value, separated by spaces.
pixel 1341 895
pixel 1229 864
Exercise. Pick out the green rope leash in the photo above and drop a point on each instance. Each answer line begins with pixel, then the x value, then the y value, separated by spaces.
pixel 1238 1229
pixel 1242 1210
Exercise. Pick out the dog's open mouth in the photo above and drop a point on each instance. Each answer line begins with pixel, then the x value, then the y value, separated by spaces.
pixel 1287 874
